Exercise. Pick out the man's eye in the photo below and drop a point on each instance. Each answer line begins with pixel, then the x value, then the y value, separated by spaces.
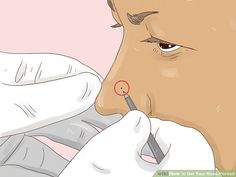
pixel 167 47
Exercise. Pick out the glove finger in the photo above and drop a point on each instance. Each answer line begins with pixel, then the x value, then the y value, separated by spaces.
pixel 22 69
pixel 127 135
pixel 37 105
pixel 185 148
pixel 118 148
pixel 133 129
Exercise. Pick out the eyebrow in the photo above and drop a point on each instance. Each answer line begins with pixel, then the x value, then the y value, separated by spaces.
pixel 137 19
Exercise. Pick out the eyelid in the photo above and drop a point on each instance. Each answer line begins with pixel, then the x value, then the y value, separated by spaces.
pixel 151 40
pixel 157 40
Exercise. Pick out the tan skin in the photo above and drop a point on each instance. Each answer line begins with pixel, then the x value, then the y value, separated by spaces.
pixel 193 85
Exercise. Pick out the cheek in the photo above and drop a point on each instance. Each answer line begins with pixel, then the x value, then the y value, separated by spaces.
pixel 186 87
pixel 169 72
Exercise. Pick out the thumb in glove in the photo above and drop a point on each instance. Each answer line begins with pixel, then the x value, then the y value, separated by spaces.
pixel 116 150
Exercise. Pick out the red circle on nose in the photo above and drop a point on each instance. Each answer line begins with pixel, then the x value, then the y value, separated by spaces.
pixel 118 87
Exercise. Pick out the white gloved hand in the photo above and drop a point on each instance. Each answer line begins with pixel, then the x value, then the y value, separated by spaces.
pixel 40 89
pixel 116 151
pixel 184 148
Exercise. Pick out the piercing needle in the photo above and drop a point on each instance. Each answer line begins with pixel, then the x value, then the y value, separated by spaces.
pixel 153 145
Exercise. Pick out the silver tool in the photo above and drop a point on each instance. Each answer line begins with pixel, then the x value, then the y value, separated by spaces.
pixel 153 145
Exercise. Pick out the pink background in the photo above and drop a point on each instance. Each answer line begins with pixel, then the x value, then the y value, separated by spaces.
pixel 80 29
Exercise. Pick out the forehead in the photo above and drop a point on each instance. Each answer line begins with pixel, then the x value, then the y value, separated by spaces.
pixel 187 7
pixel 163 6
pixel 179 19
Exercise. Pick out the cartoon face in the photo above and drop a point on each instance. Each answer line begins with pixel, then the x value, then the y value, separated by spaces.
pixel 179 59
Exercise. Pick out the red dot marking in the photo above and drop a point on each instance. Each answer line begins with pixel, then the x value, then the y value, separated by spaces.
pixel 124 82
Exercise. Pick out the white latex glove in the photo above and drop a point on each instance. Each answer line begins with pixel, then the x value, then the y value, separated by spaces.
pixel 116 151
pixel 185 148
pixel 40 89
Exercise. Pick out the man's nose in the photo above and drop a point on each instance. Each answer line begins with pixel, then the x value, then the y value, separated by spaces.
pixel 109 102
